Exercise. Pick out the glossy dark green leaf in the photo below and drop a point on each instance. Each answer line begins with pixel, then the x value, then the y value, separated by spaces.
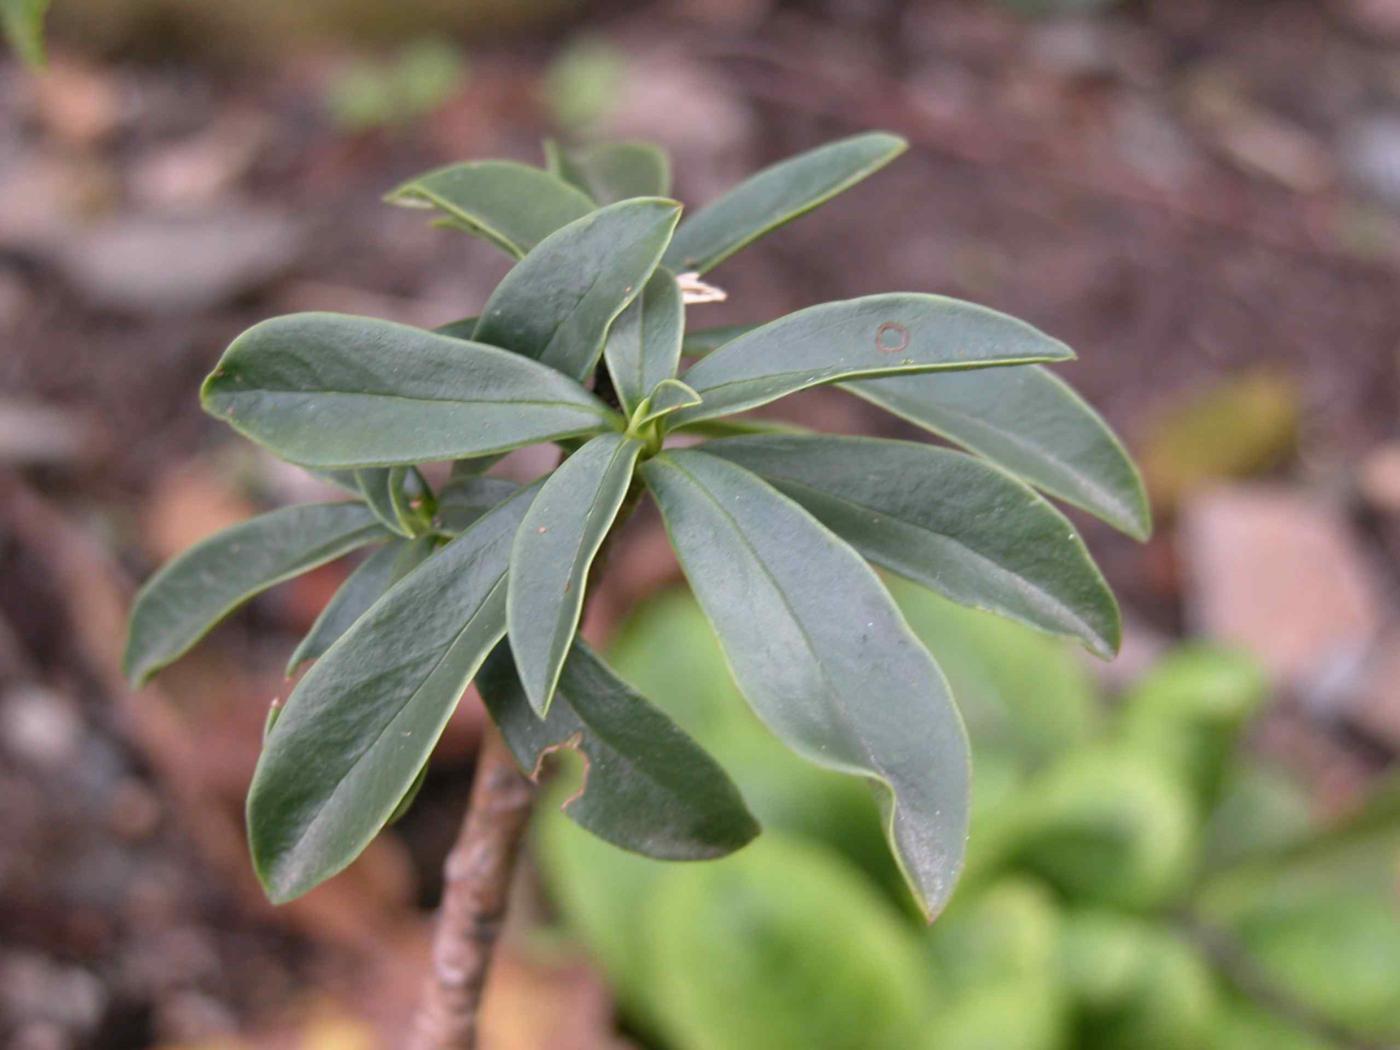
pixel 512 205
pixel 178 605
pixel 702 341
pixel 557 304
pixel 669 396
pixel 823 655
pixel 877 335
pixel 375 575
pixel 648 788
pixel 23 23
pixel 358 728
pixel 1033 424
pixel 946 520
pixel 463 329
pixel 330 390
pixel 777 195
pixel 466 498
pixel 613 171
pixel 410 796
pixel 553 552
pixel 743 426
pixel 644 343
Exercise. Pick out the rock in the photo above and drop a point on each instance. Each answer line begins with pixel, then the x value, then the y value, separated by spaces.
pixel 1075 47
pixel 1373 701
pixel 39 726
pixel 1281 575
pixel 1370 152
pixel 1238 427
pixel 164 264
pixel 38 991
pixel 78 105
pixel 1379 479
pixel 198 171
pixel 33 433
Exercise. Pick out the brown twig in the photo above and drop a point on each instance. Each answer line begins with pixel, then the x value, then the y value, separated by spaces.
pixel 475 892
pixel 476 886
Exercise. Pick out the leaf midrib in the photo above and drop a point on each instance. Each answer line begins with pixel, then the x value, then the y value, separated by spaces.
pixel 831 691
pixel 320 810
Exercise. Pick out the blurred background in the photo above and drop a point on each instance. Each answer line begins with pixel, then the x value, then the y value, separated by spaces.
pixel 1197 845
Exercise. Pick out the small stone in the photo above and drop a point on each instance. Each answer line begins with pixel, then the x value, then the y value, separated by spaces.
pixel 1380 479
pixel 1370 152
pixel 167 264
pixel 40 726
pixel 1281 575
pixel 1073 47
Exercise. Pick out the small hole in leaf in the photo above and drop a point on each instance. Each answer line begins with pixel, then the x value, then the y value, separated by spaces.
pixel 891 338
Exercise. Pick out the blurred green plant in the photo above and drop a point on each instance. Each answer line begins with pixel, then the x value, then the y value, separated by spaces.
pixel 23 25
pixel 1134 880
pixel 417 80
pixel 584 82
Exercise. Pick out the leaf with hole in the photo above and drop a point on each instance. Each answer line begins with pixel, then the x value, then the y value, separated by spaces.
pixel 776 196
pixel 553 552
pixel 180 604
pixel 823 655
pixel 648 787
pixel 361 723
pixel 557 304
pixel 330 390
pixel 946 520
pixel 877 335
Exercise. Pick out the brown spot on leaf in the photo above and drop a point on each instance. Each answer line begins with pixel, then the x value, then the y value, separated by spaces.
pixel 891 338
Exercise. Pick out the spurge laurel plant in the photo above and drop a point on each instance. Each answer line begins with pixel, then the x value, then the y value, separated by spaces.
pixel 485 580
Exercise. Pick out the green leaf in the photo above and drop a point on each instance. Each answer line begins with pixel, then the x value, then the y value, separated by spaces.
pixel 1103 825
pixel 781 947
pixel 181 603
pixel 358 728
pixel 648 788
pixel 514 206
pixel 463 329
pixel 742 426
pixel 557 304
pixel 613 171
pixel 946 520
pixel 390 493
pixel 1137 983
pixel 877 335
pixel 1024 697
pixel 410 796
pixel 330 390
pixel 464 499
pixel 552 553
pixel 644 344
pixel 777 195
pixel 1031 423
pixel 23 23
pixel 375 575
pixel 702 341
pixel 669 395
pixel 823 655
